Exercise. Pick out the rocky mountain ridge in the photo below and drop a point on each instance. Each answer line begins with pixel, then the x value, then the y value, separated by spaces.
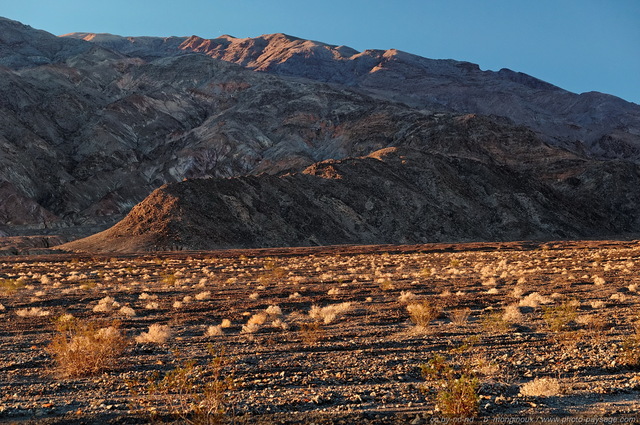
pixel 89 128
pixel 85 139
pixel 594 123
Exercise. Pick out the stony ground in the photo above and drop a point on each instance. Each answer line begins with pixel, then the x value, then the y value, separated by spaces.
pixel 325 335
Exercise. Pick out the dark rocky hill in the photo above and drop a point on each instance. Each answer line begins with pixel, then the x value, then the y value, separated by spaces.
pixel 455 189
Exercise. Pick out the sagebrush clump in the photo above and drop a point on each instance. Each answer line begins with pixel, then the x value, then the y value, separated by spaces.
pixel 157 334
pixel 541 387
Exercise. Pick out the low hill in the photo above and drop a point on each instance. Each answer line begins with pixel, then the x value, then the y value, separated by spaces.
pixel 394 195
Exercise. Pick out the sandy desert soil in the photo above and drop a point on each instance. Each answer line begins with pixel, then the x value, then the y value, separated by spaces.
pixel 565 311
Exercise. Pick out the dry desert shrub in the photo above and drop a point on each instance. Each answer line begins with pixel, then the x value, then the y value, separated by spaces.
pixel 32 312
pixel 593 322
pixel 157 334
pixel 406 296
pixel 127 311
pixel 385 284
pixel 330 313
pixel 311 332
pixel 254 323
pixel 82 348
pixel 105 305
pixel 541 387
pixel 459 317
pixel 205 295
pixel 512 314
pixel 153 305
pixel 423 313
pixel 517 292
pixel 535 300
pixel 215 330
pixel 273 310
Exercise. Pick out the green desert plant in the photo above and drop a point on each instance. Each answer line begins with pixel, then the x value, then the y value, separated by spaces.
pixel 630 351
pixel 495 322
pixel 195 393
pixel 559 317
pixel 11 285
pixel 457 387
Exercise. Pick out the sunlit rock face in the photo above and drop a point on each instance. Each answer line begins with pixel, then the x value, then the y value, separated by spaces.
pixel 598 124
pixel 91 124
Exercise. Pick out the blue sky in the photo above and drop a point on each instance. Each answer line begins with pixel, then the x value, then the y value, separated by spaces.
pixel 579 45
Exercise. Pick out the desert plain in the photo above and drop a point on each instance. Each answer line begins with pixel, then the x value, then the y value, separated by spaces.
pixel 342 334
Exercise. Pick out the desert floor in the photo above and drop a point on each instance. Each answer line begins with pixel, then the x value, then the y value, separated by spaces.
pixel 325 335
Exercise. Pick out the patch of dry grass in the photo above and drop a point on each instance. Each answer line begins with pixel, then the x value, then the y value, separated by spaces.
pixel 82 348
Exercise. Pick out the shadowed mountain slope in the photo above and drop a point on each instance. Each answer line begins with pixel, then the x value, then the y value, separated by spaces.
pixel 412 194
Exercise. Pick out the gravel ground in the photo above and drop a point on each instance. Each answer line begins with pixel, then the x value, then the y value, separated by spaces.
pixel 563 311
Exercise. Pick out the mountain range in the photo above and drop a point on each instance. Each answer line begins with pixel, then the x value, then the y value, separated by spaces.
pixel 285 141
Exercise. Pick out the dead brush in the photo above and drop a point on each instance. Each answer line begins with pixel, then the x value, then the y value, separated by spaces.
pixel 311 333
pixel 197 394
pixel 329 313
pixel 83 348
pixel 460 317
pixel 541 387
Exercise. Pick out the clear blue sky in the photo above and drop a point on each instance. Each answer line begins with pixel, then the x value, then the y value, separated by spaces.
pixel 579 45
